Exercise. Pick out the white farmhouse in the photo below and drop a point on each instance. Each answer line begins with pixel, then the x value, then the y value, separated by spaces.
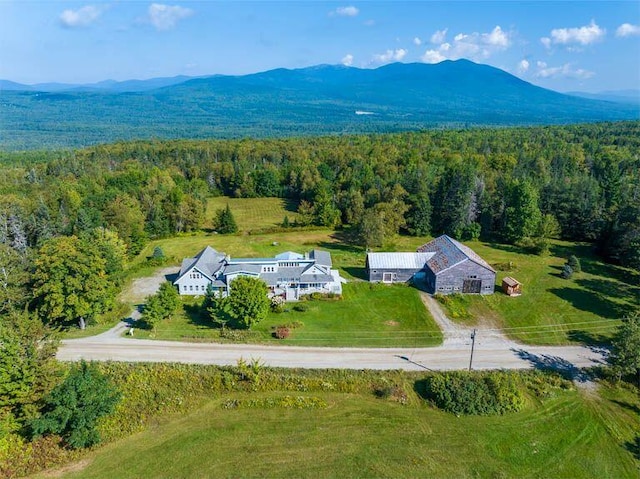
pixel 288 274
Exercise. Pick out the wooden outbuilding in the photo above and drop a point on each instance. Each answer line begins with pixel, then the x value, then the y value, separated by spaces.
pixel 511 286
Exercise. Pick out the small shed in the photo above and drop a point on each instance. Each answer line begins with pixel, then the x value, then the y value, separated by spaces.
pixel 511 286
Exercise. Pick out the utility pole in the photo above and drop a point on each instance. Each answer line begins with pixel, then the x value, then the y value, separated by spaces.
pixel 473 343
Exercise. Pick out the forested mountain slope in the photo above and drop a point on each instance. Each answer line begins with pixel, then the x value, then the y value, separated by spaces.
pixel 309 101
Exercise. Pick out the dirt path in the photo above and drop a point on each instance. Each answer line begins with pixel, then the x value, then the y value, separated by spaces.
pixel 456 335
pixel 140 288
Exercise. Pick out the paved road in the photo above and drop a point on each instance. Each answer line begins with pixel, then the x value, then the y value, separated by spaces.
pixel 492 351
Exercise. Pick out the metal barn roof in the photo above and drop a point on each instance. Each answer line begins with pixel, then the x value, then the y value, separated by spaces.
pixel 413 261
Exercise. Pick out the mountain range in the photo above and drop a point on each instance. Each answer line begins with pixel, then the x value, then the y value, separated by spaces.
pixel 323 99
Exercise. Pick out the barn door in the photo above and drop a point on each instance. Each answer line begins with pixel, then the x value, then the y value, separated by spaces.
pixel 471 285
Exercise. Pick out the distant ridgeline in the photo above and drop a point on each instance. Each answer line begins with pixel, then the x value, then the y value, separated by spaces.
pixel 280 103
pixel 514 185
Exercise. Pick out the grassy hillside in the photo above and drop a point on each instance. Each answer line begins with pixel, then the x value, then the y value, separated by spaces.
pixel 572 435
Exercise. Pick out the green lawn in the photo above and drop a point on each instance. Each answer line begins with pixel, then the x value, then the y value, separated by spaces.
pixel 573 435
pixel 367 316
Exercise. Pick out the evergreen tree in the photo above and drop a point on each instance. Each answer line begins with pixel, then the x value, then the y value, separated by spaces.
pixel 225 223
pixel 625 354
pixel 73 408
pixel 574 262
pixel 522 215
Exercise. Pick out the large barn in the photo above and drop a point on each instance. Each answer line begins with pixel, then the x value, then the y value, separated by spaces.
pixel 444 265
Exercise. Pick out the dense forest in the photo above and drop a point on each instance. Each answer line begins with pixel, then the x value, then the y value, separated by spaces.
pixel 510 185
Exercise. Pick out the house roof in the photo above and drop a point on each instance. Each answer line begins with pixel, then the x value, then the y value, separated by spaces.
pixel 289 255
pixel 448 253
pixel 321 257
pixel 208 261
pixel 413 261
pixel 242 268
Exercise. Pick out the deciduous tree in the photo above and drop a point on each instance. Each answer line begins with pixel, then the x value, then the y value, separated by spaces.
pixel 70 280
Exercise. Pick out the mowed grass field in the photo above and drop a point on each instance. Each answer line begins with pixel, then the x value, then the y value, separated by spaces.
pixel 573 435
pixel 367 316
pixel 253 214
pixel 551 310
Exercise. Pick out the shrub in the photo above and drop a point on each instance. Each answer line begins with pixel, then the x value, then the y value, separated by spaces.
pixel 281 332
pixel 509 266
pixel 300 307
pixel 277 304
pixel 484 393
pixel 574 262
pixel 158 257
pixel 567 271
pixel 538 246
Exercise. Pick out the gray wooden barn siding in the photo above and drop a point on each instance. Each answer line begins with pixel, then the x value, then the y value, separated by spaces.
pixel 451 280
pixel 402 275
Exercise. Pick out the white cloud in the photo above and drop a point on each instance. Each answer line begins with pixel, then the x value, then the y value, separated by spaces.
pixel 433 56
pixel 165 17
pixel 628 30
pixel 581 35
pixel 496 38
pixel 369 23
pixel 475 46
pixel 439 36
pixel 389 56
pixel 523 66
pixel 349 11
pixel 564 71
pixel 82 17
pixel 546 41
pixel 417 41
pixel 347 60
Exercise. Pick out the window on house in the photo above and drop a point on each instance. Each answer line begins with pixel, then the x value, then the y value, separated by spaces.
pixel 190 287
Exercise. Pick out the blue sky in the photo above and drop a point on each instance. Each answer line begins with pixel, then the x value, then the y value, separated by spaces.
pixel 588 46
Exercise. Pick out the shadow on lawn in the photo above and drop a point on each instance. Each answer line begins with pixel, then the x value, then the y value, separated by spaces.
pixel 199 316
pixel 633 447
pixel 595 341
pixel 545 362
pixel 358 273
pixel 590 301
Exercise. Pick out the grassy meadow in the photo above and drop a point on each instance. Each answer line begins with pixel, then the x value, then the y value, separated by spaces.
pixel 253 214
pixel 574 434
